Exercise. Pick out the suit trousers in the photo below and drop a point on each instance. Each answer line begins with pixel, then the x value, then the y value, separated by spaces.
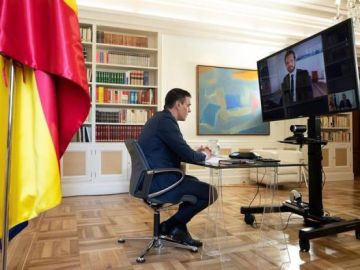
pixel 192 186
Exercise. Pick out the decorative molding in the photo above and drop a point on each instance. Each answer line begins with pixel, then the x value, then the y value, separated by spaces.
pixel 255 22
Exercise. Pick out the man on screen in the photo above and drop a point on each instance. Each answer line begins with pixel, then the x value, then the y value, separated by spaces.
pixel 345 103
pixel 296 85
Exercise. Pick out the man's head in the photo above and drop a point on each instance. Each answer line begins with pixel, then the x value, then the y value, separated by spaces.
pixel 290 60
pixel 344 96
pixel 177 101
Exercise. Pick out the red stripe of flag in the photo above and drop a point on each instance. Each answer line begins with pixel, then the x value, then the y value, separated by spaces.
pixel 45 35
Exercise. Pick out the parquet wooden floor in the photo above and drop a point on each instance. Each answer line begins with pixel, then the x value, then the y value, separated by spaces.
pixel 82 233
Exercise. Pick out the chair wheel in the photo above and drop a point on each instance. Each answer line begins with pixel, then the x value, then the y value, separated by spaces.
pixel 357 234
pixel 194 250
pixel 121 241
pixel 249 218
pixel 140 259
pixel 304 245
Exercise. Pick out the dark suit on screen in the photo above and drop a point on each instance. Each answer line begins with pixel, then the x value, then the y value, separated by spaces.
pixel 345 104
pixel 303 88
pixel 164 147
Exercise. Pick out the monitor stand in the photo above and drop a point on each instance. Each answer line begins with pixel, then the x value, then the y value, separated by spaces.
pixel 312 212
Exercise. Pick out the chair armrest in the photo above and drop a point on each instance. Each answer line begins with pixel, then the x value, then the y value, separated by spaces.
pixel 153 172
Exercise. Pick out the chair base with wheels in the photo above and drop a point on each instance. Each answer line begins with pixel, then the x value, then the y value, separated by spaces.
pixel 157 241
pixel 140 182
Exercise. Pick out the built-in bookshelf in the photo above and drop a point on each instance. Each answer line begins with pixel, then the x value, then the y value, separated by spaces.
pixel 122 71
pixel 336 128
pixel 337 153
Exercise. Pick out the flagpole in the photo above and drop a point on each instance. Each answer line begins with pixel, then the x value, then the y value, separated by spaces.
pixel 5 232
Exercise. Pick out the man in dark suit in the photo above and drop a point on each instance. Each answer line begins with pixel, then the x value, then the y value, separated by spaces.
pixel 345 103
pixel 164 147
pixel 296 85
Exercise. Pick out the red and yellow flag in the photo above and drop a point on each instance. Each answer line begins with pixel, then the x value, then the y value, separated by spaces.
pixel 51 99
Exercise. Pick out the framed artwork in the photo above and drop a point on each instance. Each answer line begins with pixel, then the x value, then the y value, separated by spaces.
pixel 228 102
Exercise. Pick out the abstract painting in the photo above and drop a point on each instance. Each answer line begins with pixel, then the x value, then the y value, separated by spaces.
pixel 228 102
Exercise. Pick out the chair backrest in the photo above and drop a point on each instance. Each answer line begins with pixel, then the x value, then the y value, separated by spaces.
pixel 139 168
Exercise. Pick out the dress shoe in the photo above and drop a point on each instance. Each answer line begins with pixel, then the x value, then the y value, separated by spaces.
pixel 184 237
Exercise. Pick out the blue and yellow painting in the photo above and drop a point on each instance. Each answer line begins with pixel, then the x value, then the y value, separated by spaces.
pixel 229 102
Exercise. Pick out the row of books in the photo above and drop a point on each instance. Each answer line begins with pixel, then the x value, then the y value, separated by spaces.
pixel 122 58
pixel 124 115
pixel 121 39
pixel 341 121
pixel 124 96
pixel 108 133
pixel 85 33
pixel 82 135
pixel 336 136
pixel 133 77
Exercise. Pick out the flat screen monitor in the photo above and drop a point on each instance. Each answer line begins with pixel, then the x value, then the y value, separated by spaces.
pixel 315 76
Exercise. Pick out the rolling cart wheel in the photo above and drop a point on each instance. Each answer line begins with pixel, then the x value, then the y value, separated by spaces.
pixel 249 218
pixel 304 245
pixel 194 250
pixel 121 241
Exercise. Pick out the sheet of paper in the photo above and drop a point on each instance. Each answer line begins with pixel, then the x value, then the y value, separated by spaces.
pixel 214 160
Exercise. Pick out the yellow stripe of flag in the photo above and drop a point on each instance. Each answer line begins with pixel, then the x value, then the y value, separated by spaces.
pixel 35 177
pixel 72 4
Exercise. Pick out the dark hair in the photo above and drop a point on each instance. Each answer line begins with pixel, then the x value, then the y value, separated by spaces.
pixel 174 95
pixel 288 53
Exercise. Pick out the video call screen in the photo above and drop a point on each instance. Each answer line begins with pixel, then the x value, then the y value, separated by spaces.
pixel 313 77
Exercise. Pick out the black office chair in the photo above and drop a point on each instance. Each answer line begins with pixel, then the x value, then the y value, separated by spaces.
pixel 140 182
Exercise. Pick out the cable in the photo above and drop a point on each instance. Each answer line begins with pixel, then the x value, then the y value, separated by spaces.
pixel 288 220
pixel 258 185
pixel 255 224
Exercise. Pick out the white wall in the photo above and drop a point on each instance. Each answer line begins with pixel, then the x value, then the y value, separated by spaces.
pixel 181 54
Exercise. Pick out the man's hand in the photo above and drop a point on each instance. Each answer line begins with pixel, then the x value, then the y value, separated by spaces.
pixel 206 150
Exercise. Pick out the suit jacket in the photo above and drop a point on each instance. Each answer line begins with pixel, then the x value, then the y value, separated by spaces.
pixel 303 87
pixel 164 147
pixel 345 104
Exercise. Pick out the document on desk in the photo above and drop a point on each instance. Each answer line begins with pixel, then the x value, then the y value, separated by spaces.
pixel 224 160
pixel 214 160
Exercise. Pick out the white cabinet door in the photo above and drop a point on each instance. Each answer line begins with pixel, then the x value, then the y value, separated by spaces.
pixel 112 172
pixel 337 161
pixel 93 169
pixel 342 156
pixel 76 169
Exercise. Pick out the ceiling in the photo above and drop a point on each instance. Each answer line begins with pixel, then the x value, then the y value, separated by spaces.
pixel 276 23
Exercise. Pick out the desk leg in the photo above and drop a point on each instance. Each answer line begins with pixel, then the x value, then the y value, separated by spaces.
pixel 272 241
pixel 215 232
